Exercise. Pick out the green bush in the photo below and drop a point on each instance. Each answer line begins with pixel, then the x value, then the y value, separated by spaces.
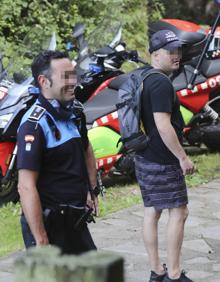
pixel 36 19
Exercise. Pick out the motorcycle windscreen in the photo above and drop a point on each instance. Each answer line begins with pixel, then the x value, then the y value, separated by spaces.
pixel 104 141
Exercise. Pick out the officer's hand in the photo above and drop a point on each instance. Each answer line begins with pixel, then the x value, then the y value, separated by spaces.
pixel 42 239
pixel 93 203
pixel 187 165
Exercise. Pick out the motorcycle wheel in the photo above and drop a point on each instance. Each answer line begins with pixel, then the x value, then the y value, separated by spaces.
pixel 125 166
pixel 211 137
pixel 8 190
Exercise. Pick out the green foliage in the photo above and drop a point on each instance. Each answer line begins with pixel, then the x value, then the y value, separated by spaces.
pixel 135 21
pixel 199 11
pixel 156 10
pixel 119 197
pixel 28 23
pixel 207 168
pixel 10 233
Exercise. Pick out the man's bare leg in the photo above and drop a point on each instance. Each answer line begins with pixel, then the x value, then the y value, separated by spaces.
pixel 150 234
pixel 175 233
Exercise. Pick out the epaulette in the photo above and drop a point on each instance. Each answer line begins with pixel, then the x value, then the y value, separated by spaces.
pixel 36 113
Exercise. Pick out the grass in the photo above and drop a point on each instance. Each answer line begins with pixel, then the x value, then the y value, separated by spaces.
pixel 10 232
pixel 207 168
pixel 118 196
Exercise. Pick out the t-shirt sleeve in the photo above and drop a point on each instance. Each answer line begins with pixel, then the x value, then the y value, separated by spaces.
pixel 161 94
pixel 31 144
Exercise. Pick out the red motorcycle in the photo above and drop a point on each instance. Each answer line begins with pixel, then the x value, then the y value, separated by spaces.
pixel 16 96
pixel 197 84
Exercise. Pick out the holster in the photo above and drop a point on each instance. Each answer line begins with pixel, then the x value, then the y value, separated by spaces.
pixel 75 217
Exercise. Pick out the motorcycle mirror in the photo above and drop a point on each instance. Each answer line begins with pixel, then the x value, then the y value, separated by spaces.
pixel 78 30
pixel 120 47
pixel 53 42
pixel 117 39
pixel 1 64
pixel 18 77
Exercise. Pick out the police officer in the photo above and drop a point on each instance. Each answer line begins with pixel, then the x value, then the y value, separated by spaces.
pixel 55 161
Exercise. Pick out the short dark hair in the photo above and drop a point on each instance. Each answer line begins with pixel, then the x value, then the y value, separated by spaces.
pixel 42 63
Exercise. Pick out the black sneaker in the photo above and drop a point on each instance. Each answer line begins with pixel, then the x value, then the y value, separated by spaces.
pixel 183 278
pixel 154 277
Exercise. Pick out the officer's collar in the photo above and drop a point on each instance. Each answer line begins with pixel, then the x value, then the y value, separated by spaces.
pixel 62 114
pixel 55 104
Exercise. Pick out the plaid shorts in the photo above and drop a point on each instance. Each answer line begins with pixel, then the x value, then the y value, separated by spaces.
pixel 162 186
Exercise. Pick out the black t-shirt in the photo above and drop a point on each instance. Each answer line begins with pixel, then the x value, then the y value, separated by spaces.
pixel 53 147
pixel 159 96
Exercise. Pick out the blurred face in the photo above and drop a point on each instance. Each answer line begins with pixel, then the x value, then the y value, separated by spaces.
pixel 62 80
pixel 168 61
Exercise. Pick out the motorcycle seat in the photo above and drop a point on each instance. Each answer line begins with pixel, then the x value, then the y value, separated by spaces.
pixel 118 81
pixel 104 52
pixel 105 102
pixel 101 105
pixel 210 67
pixel 182 78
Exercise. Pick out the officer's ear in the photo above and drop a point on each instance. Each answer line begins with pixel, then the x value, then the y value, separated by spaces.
pixel 43 81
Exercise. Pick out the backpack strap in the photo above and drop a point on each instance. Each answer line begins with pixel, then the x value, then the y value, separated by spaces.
pixel 145 74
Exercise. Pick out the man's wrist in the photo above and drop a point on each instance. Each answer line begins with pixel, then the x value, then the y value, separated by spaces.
pixel 96 191
pixel 183 158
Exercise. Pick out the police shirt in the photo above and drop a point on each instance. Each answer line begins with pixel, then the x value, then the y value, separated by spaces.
pixel 52 146
pixel 159 96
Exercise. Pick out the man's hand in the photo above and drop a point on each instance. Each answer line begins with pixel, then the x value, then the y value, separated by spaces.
pixel 42 239
pixel 187 165
pixel 92 202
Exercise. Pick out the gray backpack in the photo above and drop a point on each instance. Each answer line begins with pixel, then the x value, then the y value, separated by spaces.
pixel 129 110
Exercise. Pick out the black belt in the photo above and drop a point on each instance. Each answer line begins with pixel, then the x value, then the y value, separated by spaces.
pixel 80 215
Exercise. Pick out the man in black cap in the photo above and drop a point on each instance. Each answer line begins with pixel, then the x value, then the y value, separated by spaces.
pixel 161 167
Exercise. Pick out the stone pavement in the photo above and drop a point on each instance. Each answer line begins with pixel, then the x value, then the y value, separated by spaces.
pixel 121 233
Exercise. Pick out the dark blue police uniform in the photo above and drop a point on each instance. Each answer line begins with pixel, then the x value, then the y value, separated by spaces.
pixel 50 142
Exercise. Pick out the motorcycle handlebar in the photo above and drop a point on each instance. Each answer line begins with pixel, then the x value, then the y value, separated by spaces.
pixel 141 61
pixel 131 55
pixel 120 56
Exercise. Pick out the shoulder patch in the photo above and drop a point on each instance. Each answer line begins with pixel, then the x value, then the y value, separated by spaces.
pixel 36 113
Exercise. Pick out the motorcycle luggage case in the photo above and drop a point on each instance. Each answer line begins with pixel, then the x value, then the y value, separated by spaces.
pixel 192 35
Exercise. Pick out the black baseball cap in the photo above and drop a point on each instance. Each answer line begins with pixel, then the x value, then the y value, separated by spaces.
pixel 165 39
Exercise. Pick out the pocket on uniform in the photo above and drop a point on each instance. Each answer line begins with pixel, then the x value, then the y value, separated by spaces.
pixel 28 237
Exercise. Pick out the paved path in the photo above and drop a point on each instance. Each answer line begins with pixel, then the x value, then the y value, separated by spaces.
pixel 121 233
